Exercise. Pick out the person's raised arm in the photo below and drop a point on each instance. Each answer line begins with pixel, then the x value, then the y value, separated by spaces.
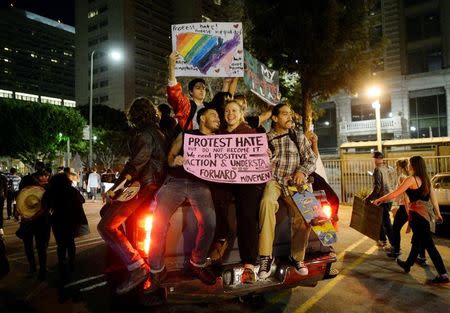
pixel 173 57
pixel 408 182
pixel 173 158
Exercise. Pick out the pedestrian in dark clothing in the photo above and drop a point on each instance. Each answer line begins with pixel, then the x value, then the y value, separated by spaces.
pixel 37 228
pixel 13 189
pixel 419 191
pixel 65 204
pixel 401 216
pixel 381 188
pixel 3 192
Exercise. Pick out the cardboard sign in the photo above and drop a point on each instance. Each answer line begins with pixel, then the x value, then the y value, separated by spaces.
pixel 209 49
pixel 366 218
pixel 261 80
pixel 233 159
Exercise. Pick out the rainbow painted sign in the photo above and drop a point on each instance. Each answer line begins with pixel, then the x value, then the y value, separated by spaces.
pixel 232 159
pixel 209 49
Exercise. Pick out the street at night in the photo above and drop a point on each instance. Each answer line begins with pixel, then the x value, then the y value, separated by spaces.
pixel 224 156
pixel 368 281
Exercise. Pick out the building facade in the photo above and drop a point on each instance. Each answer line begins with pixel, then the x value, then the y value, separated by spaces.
pixel 37 58
pixel 414 75
pixel 141 31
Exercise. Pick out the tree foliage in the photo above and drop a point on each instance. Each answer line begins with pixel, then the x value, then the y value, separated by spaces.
pixel 325 42
pixel 30 130
pixel 111 131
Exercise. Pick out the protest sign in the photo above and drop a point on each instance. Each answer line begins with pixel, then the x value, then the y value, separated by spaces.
pixel 235 159
pixel 209 49
pixel 261 80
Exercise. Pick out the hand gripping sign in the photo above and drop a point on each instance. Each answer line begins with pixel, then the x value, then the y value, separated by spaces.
pixel 233 159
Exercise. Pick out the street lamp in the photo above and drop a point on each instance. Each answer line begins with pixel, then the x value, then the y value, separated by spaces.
pixel 116 56
pixel 374 92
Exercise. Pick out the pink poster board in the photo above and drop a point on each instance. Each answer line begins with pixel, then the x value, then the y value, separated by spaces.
pixel 233 159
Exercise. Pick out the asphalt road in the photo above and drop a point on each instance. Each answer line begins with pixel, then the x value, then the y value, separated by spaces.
pixel 368 282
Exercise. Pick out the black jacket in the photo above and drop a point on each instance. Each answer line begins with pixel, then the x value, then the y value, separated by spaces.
pixel 147 157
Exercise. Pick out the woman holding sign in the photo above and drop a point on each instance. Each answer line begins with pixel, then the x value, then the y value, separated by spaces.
pixel 247 198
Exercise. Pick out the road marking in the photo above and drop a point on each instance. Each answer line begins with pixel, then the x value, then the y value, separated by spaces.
pixel 327 288
pixel 351 247
pixel 279 296
pixel 84 280
pixel 35 291
pixel 103 283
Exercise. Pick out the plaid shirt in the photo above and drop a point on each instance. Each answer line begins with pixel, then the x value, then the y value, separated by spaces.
pixel 287 159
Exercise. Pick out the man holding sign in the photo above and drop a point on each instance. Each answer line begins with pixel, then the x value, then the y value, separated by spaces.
pixel 178 187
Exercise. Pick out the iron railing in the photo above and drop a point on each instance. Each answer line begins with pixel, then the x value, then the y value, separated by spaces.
pixel 353 177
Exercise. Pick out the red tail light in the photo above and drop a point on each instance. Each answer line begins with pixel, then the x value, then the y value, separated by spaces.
pixel 326 209
pixel 144 234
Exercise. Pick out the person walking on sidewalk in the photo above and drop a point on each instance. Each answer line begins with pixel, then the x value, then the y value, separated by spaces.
pixel 381 188
pixel 419 191
pixel 401 216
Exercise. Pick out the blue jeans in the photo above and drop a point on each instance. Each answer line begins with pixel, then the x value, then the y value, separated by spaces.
pixel 112 219
pixel 170 196
pixel 386 225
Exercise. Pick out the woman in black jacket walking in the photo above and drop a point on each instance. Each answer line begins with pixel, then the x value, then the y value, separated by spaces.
pixel 65 204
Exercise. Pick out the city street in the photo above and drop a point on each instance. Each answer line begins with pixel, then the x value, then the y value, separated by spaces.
pixel 368 281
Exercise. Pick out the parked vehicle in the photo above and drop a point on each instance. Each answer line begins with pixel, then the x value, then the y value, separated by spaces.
pixel 182 286
pixel 441 186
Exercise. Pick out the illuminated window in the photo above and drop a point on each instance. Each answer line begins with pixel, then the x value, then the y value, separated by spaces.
pixel 33 55
pixel 68 54
pixel 69 103
pixel 93 13
pixel 6 49
pixel 6 94
pixel 7 61
pixel 51 100
pixel 54 60
pixel 27 97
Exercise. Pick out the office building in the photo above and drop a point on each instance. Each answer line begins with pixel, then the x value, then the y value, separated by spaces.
pixel 37 58
pixel 413 73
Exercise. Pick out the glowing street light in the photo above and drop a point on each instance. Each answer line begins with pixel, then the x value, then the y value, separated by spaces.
pixel 116 56
pixel 374 92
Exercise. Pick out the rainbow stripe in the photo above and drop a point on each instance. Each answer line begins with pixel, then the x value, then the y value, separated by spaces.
pixel 204 51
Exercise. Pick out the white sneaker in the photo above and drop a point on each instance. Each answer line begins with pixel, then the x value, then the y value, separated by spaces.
pixel 265 267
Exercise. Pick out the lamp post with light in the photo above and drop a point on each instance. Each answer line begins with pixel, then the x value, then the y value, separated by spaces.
pixel 116 56
pixel 374 93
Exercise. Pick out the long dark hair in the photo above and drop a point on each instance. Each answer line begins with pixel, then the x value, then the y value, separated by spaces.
pixel 420 169
pixel 142 113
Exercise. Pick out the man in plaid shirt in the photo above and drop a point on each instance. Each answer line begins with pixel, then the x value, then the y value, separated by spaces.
pixel 292 160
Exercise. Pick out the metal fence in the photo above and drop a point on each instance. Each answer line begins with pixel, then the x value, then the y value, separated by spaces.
pixel 354 177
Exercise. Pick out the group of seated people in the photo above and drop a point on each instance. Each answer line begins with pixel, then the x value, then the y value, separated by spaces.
pixel 164 181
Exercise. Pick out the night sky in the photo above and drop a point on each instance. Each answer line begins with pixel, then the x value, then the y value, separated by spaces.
pixel 55 9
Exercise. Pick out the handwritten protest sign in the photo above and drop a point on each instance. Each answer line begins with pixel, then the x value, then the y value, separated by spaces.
pixel 261 80
pixel 239 159
pixel 209 49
